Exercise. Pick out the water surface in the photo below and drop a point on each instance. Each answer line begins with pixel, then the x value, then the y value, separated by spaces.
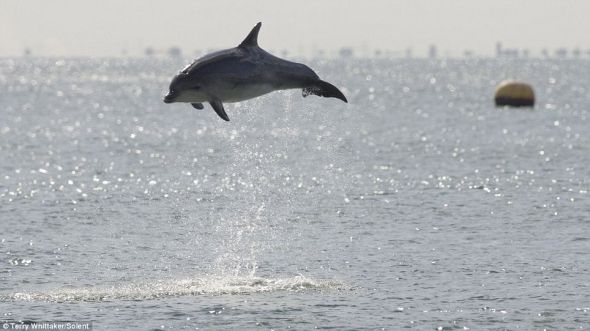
pixel 417 205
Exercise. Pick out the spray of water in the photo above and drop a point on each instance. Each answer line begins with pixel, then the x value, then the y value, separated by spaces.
pixel 256 201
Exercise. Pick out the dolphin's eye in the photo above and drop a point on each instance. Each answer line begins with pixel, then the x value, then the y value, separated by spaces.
pixel 197 87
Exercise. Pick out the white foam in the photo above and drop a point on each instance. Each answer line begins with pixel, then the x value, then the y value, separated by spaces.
pixel 184 287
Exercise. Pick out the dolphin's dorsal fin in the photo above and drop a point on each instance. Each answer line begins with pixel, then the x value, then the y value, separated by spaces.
pixel 252 38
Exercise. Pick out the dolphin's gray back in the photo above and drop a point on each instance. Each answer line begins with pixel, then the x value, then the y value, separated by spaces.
pixel 253 65
pixel 287 71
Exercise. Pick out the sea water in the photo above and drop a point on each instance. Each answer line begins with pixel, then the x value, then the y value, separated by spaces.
pixel 416 205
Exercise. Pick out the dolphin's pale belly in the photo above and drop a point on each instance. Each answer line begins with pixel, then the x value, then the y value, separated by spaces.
pixel 226 92
pixel 243 92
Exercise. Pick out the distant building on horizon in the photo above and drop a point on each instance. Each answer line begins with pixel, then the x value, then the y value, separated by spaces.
pixel 409 53
pixel 576 52
pixel 561 52
pixel 432 52
pixel 346 52
pixel 505 52
pixel 175 52
pixel 149 51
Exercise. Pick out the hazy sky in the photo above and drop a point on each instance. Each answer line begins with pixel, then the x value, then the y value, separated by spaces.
pixel 109 27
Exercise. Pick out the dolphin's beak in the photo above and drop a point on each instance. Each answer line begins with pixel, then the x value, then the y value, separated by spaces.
pixel 169 98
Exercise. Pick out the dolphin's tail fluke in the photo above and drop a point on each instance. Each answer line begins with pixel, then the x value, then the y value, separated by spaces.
pixel 324 89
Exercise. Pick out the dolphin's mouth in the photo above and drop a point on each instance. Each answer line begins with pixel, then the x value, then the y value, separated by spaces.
pixel 169 98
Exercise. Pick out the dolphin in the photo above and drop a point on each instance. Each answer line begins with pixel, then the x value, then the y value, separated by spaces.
pixel 243 73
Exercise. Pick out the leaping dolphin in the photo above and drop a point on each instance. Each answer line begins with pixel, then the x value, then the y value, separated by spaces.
pixel 242 73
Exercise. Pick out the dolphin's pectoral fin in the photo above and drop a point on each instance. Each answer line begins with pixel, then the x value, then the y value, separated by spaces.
pixel 218 107
pixel 324 89
pixel 252 38
pixel 198 105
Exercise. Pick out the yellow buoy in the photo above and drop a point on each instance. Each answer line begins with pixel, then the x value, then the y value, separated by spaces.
pixel 514 94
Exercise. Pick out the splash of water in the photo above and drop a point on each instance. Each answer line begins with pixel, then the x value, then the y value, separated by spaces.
pixel 183 287
pixel 257 203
